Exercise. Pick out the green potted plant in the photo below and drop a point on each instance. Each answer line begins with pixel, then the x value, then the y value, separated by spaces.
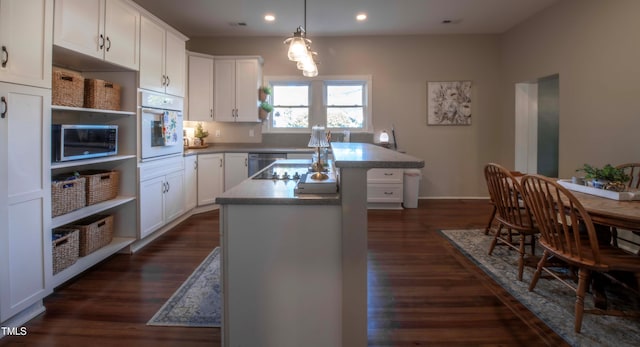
pixel 265 109
pixel 607 177
pixel 200 133
pixel 263 92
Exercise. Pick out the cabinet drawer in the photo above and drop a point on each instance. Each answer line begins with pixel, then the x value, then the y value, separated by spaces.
pixel 385 175
pixel 384 192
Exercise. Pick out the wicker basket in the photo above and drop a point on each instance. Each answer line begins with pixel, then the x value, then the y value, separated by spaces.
pixel 65 248
pixel 101 185
pixel 101 94
pixel 67 88
pixel 67 195
pixel 95 233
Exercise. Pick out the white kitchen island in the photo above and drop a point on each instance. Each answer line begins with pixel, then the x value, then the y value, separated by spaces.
pixel 294 267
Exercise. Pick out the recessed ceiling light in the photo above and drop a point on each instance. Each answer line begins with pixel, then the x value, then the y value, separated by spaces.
pixel 269 17
pixel 361 16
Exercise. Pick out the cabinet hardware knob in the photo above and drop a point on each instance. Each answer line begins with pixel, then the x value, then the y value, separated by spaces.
pixel 5 59
pixel 388 193
pixel 220 162
pixel 211 113
pixel 195 165
pixel 6 107
pixel 164 80
pixel 168 186
pixel 108 43
pixel 101 41
pixel 168 81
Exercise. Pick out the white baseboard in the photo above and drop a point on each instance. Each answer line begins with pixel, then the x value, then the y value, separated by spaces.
pixel 19 320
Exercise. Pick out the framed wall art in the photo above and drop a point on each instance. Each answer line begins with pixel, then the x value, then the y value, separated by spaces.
pixel 449 103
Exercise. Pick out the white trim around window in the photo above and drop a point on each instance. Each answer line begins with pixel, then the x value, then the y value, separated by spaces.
pixel 318 100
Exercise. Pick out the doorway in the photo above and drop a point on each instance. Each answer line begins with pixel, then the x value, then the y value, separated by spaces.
pixel 537 126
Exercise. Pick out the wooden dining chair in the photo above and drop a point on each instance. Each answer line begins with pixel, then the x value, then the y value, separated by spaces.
pixel 567 233
pixel 511 212
pixel 492 216
pixel 633 170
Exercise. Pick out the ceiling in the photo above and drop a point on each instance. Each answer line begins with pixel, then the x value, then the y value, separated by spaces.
pixel 201 18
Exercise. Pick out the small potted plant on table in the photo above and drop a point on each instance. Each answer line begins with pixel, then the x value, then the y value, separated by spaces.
pixel 607 177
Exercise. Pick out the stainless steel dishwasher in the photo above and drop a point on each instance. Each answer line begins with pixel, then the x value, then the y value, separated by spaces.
pixel 258 161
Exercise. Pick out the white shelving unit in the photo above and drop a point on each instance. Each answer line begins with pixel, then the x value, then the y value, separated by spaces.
pixel 123 207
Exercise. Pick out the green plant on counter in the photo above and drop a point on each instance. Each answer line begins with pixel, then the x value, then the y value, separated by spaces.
pixel 200 132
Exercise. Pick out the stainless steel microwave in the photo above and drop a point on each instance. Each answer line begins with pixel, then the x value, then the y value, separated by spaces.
pixel 74 141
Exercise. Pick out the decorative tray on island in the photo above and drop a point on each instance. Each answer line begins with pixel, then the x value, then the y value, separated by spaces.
pixel 609 194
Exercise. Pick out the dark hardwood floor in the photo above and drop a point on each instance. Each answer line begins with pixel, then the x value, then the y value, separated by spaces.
pixel 422 292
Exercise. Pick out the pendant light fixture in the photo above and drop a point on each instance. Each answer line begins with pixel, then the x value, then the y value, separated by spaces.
pixel 300 49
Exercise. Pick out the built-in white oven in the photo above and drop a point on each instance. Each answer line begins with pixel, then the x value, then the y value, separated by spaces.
pixel 160 125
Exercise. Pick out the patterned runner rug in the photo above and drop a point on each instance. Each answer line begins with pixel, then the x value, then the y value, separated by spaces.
pixel 551 301
pixel 197 303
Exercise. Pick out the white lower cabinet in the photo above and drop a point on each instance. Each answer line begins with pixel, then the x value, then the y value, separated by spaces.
pixel 236 169
pixel 385 188
pixel 210 178
pixel 190 182
pixel 25 199
pixel 161 193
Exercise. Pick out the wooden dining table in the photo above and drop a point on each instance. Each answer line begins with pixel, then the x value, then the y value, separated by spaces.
pixel 614 213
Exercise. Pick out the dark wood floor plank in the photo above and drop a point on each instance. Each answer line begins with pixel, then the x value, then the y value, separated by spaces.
pixel 422 291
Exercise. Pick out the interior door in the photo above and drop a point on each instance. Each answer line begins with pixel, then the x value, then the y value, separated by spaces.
pixel 548 125
pixel 537 126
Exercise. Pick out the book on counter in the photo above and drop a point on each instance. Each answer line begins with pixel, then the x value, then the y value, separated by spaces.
pixel 308 185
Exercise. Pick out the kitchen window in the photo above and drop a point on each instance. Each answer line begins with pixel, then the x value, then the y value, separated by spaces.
pixel 290 106
pixel 336 102
pixel 344 104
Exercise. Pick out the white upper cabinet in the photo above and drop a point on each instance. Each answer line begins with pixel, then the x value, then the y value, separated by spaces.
pixel 25 42
pixel 236 84
pixel 105 29
pixel 200 88
pixel 162 59
pixel 175 64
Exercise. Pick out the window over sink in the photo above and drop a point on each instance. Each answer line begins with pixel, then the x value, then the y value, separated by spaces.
pixel 337 102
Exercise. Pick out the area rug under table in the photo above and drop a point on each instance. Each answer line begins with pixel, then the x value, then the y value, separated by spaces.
pixel 197 303
pixel 551 301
